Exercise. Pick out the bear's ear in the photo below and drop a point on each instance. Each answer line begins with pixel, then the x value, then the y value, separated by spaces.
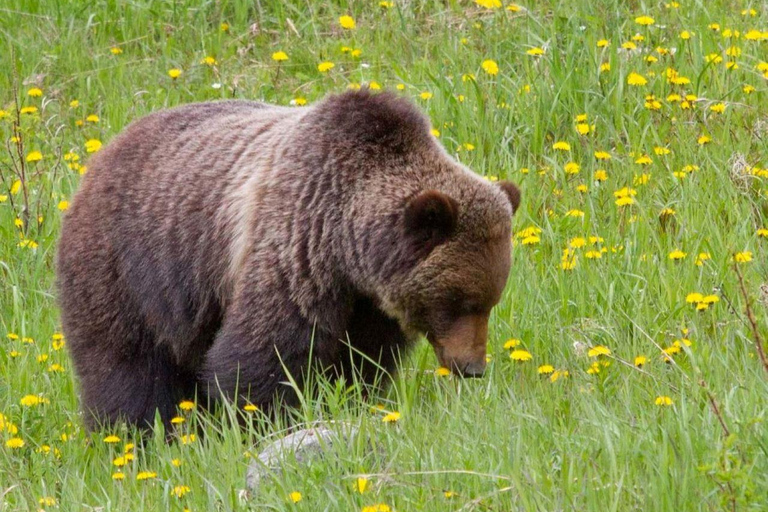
pixel 430 219
pixel 513 194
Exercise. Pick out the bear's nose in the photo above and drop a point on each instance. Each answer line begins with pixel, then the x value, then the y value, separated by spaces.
pixel 475 369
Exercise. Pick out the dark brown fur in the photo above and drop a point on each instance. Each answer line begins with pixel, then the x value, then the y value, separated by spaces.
pixel 211 244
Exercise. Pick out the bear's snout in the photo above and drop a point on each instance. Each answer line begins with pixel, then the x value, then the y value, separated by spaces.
pixel 462 348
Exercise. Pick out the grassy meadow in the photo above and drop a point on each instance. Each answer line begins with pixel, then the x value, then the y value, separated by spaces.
pixel 624 371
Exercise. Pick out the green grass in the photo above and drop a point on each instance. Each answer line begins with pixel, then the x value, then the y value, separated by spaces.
pixel 514 439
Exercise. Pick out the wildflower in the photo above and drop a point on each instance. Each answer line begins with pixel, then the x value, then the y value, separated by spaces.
pixel 391 417
pixel 63 205
pixel 442 372
pixel 111 439
pixel 640 361
pixel 250 408
pixel 188 438
pixel 326 66
pixel 520 355
pixel 279 56
pixel 386 5
pixel 28 110
pixel 704 139
pixel 743 257
pixel 582 128
pixel 602 43
pixel 511 343
pixel 685 35
pixel 636 79
pixel 15 442
pixel 92 145
pixel 572 168
pixel 118 475
pixel 490 67
pixel 605 66
pixel 426 95
pixel 34 156
pixel 186 405
pixel 645 20
pixel 180 490
pixel 663 401
pixel 176 462
pixel 93 118
pixel 644 160
pixel 146 475
pixel 35 92
pixel 718 108
pixel 47 501
pixel 562 146
pixel 599 350
pixel 748 89
pixel 629 45
pixel 701 258
pixel 361 484
pixel 31 400
pixel 601 175
pixel 577 242
pixel 677 254
pixel 381 507
pixel 558 374
pixel 574 213
pixel 116 50
pixel 489 4
pixel 535 52
pixel 545 369
pixel 177 420
pixel 299 102
pixel 762 232
pixel 74 104
pixel 174 73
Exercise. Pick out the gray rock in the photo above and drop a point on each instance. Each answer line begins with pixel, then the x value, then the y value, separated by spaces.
pixel 303 446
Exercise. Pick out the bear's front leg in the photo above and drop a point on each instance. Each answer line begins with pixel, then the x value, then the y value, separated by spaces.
pixel 263 337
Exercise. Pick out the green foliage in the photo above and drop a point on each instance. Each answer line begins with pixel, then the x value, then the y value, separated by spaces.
pixel 686 430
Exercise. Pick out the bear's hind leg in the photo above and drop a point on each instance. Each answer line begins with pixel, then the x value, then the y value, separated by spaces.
pixel 135 389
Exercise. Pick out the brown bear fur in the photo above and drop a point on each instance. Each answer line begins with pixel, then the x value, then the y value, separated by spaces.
pixel 214 244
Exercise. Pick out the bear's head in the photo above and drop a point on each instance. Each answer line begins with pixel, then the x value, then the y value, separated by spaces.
pixel 461 237
pixel 431 238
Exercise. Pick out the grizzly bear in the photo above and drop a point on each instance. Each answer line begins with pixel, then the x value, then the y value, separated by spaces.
pixel 214 247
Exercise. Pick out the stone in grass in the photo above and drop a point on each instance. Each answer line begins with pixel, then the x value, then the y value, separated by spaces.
pixel 303 446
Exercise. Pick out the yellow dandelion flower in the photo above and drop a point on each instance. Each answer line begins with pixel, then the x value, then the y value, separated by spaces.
pixel 186 405
pixel 718 108
pixel 92 145
pixel 636 79
pixel 743 257
pixel 361 484
pixel 599 350
pixel 15 442
pixel 511 343
pixel 572 168
pixel 174 73
pixel 520 355
pixel 561 145
pixel 602 43
pixel 111 439
pixel 640 361
pixel 31 400
pixel 146 475
pixel 35 92
pixel 704 139
pixel 762 232
pixel 490 67
pixel 677 254
pixel 489 4
pixel 347 22
pixel 116 50
pixel 545 369
pixel 176 420
pixel 93 118
pixel 34 156
pixel 326 66
pixel 663 401
pixel 442 372
pixel 180 490
pixel 645 20
pixel 535 52
pixel 391 417
pixel 63 205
